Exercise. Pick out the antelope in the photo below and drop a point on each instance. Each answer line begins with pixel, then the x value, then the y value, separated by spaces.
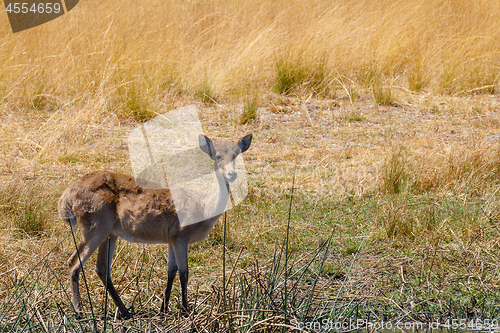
pixel 108 206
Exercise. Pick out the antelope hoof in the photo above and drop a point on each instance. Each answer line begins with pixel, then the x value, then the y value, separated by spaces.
pixel 185 313
pixel 78 315
pixel 126 315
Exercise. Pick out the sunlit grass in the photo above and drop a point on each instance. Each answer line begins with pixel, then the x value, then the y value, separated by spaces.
pixel 377 103
pixel 112 49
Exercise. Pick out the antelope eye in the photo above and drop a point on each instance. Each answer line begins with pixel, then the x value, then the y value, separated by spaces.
pixel 219 158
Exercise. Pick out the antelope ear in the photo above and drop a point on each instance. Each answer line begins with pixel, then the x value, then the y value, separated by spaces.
pixel 244 143
pixel 207 146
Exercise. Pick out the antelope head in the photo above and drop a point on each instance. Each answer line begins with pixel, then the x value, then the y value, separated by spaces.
pixel 224 157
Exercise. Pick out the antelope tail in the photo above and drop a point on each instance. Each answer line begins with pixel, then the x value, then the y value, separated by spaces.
pixel 66 210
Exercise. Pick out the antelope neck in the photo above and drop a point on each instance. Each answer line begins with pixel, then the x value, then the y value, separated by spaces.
pixel 217 197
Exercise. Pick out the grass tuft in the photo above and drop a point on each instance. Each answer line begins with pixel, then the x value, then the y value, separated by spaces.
pixel 206 93
pixel 249 113
pixel 300 75
pixel 132 104
pixel 447 79
pixel 475 170
pixel 383 95
pixel 27 206
pixel 417 79
pixel 352 116
pixel 394 172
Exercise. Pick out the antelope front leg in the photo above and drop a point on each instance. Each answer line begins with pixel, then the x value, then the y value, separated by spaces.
pixel 172 271
pixel 103 270
pixel 180 250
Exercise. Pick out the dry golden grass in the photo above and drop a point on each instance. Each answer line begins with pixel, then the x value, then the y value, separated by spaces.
pixel 349 117
pixel 114 51
pixel 449 159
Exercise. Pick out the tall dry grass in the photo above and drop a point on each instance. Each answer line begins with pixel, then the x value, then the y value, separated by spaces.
pixel 472 171
pixel 126 50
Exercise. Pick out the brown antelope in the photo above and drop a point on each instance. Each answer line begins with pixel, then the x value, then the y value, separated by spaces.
pixel 109 205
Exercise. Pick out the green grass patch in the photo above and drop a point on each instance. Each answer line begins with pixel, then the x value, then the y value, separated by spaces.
pixel 249 113
pixel 132 103
pixel 383 95
pixel 293 75
pixel 352 116
pixel 348 258
pixel 206 93
pixel 28 206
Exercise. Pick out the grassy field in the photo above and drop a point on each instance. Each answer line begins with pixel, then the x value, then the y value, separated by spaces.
pixel 387 113
pixel 130 54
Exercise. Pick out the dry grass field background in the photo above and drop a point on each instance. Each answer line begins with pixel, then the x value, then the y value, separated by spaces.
pixel 389 110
